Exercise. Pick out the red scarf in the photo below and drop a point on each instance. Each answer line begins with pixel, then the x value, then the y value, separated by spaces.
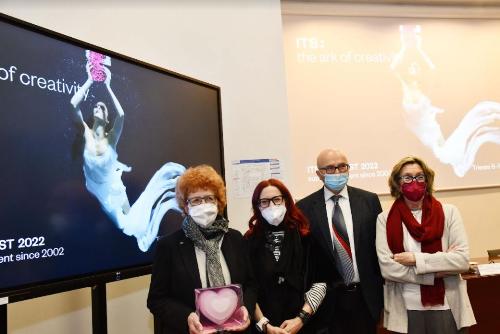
pixel 428 233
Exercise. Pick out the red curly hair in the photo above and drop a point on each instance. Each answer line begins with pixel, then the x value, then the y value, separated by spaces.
pixel 202 177
pixel 294 218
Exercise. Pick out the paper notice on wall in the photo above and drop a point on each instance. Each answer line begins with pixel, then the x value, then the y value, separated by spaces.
pixel 246 174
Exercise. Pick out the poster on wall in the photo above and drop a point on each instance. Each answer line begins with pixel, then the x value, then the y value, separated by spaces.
pixel 92 146
pixel 247 173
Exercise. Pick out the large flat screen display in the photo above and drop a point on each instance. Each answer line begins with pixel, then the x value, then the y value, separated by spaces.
pixel 92 144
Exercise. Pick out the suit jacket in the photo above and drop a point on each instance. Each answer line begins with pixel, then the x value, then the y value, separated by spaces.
pixel 175 276
pixel 365 207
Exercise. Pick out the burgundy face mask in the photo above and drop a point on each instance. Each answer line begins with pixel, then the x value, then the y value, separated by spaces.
pixel 414 191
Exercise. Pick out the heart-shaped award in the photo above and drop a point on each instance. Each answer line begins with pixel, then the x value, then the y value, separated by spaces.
pixel 218 305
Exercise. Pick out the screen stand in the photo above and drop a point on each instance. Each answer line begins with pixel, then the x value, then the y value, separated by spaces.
pixel 3 319
pixel 99 314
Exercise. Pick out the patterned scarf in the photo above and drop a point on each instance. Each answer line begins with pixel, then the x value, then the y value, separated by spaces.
pixel 208 239
pixel 428 233
pixel 274 242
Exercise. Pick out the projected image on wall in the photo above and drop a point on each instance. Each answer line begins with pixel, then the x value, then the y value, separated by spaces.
pixel 476 128
pixel 381 88
pixel 103 171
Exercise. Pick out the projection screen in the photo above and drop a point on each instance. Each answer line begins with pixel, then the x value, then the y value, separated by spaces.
pixel 383 88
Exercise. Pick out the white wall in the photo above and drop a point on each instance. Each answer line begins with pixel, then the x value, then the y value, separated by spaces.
pixel 236 45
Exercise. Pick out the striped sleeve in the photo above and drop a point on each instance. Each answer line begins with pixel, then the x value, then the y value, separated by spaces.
pixel 315 295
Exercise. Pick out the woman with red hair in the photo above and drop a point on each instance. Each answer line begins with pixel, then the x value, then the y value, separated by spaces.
pixel 204 253
pixel 280 253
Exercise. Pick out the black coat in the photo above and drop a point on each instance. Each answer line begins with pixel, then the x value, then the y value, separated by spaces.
pixel 175 276
pixel 365 207
pixel 282 284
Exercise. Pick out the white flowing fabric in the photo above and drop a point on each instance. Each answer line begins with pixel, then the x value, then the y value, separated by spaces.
pixel 103 180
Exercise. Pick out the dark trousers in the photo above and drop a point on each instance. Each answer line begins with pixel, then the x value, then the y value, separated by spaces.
pixel 433 322
pixel 351 314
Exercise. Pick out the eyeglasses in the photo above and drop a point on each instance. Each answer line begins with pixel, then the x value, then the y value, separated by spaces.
pixel 194 201
pixel 265 202
pixel 342 168
pixel 409 178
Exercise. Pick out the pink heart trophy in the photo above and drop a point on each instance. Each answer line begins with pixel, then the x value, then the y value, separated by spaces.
pixel 219 306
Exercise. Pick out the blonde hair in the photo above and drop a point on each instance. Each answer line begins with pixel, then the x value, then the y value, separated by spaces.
pixel 394 178
pixel 202 177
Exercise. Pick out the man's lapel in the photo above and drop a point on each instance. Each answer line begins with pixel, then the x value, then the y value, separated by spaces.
pixel 323 223
pixel 357 215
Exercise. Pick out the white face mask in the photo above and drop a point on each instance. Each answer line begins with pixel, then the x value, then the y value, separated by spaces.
pixel 204 214
pixel 274 214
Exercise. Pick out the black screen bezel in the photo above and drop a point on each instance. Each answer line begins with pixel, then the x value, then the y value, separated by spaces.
pixel 43 288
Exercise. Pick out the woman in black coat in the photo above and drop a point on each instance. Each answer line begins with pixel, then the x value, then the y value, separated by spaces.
pixel 282 258
pixel 204 253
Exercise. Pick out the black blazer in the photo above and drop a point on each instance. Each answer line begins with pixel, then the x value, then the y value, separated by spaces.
pixel 281 300
pixel 281 284
pixel 365 207
pixel 175 276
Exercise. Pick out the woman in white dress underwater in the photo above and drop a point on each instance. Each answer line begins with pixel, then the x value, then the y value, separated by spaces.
pixel 103 171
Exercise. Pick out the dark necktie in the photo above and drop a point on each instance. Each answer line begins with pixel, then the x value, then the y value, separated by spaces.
pixel 341 241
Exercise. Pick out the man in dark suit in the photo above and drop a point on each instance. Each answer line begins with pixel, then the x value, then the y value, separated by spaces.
pixel 343 221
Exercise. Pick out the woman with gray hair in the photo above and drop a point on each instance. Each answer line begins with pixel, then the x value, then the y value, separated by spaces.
pixel 422 249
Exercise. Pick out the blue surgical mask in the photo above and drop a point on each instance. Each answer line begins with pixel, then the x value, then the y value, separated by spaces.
pixel 336 182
